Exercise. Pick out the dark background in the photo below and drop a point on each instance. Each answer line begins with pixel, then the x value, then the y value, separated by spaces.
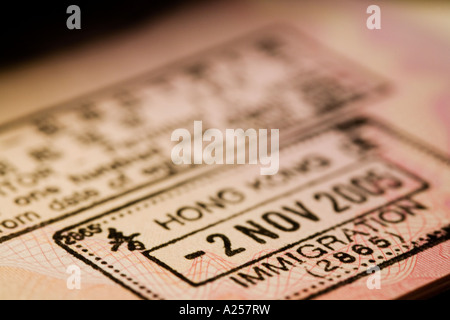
pixel 32 28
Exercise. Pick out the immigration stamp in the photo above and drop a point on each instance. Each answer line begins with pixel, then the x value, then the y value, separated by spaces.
pixel 348 197
pixel 70 158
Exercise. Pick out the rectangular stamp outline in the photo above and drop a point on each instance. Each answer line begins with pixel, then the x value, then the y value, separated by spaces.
pixel 343 125
pixel 424 186
pixel 70 104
